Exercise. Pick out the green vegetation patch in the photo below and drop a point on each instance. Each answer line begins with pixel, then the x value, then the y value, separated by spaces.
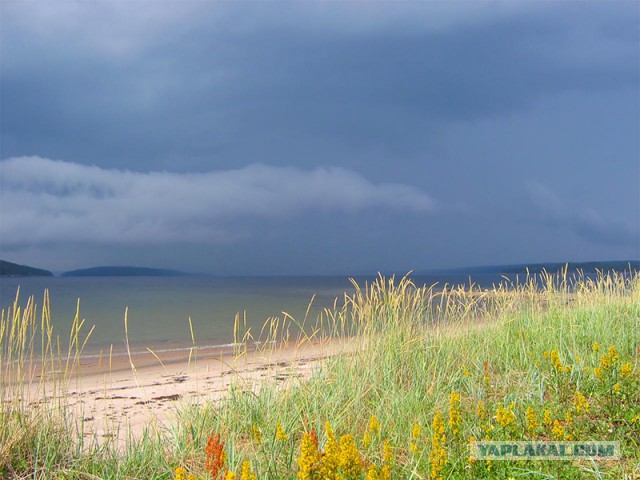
pixel 427 374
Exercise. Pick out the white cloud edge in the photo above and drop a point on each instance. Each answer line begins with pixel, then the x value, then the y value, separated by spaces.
pixel 51 201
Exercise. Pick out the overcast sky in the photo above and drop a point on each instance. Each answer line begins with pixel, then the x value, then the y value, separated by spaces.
pixel 318 138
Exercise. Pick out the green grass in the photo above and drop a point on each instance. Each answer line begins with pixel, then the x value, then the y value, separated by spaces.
pixel 515 349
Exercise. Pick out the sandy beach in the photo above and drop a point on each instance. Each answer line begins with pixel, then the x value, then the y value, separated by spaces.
pixel 124 395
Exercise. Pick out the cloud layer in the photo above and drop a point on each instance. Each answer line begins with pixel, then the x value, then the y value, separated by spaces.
pixel 247 103
pixel 588 223
pixel 208 85
pixel 47 201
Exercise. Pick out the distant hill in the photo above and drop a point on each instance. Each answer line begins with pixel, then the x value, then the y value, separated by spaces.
pixel 552 267
pixel 122 272
pixel 8 269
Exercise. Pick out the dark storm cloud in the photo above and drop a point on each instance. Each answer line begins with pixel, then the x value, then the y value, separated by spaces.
pixel 395 106
pixel 202 91
pixel 586 222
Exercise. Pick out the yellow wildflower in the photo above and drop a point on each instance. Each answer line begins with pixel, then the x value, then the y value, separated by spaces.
pixel 415 434
pixel 366 440
pixel 387 452
pixel 331 458
pixel 454 412
pixel 385 472
pixel 609 359
pixel 625 370
pixel 505 416
pixel 309 461
pixel 598 372
pixel 372 473
pixel 246 472
pixel 481 411
pixel 488 427
pixel 580 402
pixel 438 455
pixel 350 462
pixel 532 420
pixel 374 425
pixel 546 418
pixel 257 434
pixel 180 474
pixel 555 361
pixel 230 475
pixel 616 388
pixel 373 431
pixel 613 354
pixel 558 430
pixel 466 372
pixel 280 433
pixel 192 477
pixel 596 347
pixel 568 418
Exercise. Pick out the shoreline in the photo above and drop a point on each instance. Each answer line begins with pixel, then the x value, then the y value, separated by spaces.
pixel 126 395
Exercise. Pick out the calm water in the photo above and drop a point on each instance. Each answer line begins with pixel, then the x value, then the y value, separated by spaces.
pixel 159 307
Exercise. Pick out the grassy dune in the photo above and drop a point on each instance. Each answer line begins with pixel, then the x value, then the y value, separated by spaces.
pixel 431 373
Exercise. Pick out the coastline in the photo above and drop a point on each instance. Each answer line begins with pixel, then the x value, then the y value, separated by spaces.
pixel 109 397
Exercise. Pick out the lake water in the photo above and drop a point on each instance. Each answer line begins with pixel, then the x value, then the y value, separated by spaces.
pixel 159 307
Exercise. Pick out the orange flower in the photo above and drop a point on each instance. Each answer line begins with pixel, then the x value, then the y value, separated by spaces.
pixel 216 456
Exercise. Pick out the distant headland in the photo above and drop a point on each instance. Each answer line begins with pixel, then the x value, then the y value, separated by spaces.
pixel 8 269
pixel 124 271
pixel 551 267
